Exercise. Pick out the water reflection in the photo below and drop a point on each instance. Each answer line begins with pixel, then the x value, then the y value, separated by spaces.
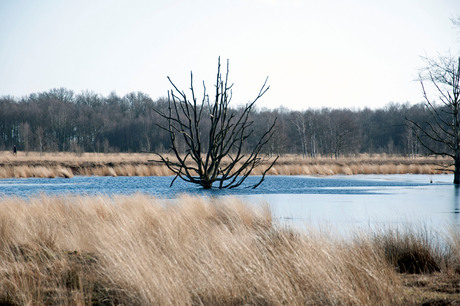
pixel 456 203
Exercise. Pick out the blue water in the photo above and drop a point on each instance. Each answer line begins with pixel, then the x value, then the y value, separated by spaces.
pixel 340 201
pixel 160 186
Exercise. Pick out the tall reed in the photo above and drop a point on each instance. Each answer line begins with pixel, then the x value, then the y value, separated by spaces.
pixel 142 250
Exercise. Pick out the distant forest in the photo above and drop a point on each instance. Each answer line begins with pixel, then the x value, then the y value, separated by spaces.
pixel 60 120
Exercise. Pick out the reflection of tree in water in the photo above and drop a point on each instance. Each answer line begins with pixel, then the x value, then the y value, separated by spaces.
pixel 456 203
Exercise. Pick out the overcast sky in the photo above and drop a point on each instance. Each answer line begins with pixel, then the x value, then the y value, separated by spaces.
pixel 329 53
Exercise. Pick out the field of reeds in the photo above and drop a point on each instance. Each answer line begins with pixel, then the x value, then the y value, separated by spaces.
pixel 139 250
pixel 34 164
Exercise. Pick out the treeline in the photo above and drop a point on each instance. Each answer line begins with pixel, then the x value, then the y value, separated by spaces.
pixel 60 120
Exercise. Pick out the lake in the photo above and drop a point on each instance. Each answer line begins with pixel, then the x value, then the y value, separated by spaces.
pixel 341 202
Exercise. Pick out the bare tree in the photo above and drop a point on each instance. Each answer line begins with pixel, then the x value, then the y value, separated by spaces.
pixel 26 135
pixel 411 142
pixel 40 139
pixel 441 136
pixel 342 132
pixel 214 137
pixel 301 126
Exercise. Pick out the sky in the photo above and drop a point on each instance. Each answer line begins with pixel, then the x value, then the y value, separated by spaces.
pixel 329 53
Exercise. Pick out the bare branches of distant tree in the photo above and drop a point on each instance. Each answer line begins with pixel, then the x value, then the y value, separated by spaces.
pixel 441 135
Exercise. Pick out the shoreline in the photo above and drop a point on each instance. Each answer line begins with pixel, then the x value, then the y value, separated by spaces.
pixel 67 165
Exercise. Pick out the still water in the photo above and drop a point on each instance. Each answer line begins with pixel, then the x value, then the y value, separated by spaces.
pixel 338 201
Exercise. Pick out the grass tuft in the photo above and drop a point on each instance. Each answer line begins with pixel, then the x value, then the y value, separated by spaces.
pixel 414 251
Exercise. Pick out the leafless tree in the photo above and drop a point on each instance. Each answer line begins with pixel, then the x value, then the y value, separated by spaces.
pixel 441 136
pixel 214 137
pixel 341 132
pixel 40 139
pixel 301 126
pixel 411 142
pixel 26 135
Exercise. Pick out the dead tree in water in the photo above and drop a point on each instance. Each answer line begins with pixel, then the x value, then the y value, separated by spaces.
pixel 441 136
pixel 215 137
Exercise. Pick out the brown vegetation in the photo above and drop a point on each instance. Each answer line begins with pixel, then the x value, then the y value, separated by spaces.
pixel 34 164
pixel 194 251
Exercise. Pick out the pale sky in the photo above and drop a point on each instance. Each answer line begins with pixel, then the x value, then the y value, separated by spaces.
pixel 328 53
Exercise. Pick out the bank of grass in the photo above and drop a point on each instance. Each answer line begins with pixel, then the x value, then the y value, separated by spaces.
pixel 428 263
pixel 138 250
pixel 34 164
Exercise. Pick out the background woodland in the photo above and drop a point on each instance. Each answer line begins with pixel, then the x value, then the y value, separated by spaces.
pixel 60 120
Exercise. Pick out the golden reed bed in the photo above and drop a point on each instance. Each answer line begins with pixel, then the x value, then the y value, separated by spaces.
pixel 51 165
pixel 139 250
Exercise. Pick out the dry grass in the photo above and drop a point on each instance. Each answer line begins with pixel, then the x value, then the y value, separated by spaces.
pixel 136 250
pixel 436 269
pixel 362 164
pixel 76 158
pixel 194 251
pixel 432 289
pixel 429 263
pixel 417 251
pixel 33 164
